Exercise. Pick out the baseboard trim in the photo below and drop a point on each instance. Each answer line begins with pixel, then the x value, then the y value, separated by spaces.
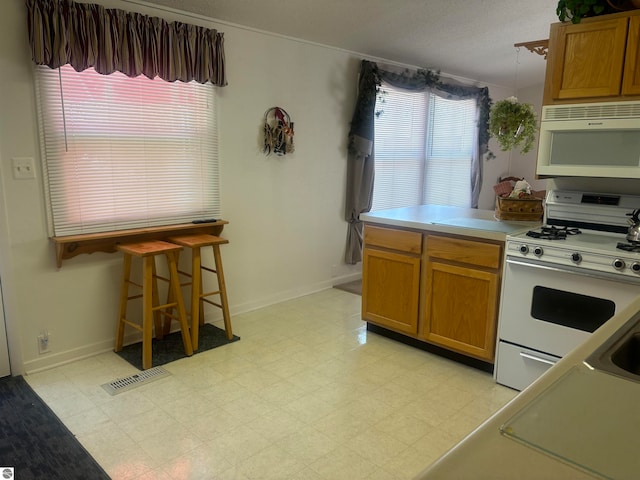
pixel 62 358
pixel 52 360
pixel 291 294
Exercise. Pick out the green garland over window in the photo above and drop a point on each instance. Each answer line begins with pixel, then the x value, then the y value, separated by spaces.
pixel 370 89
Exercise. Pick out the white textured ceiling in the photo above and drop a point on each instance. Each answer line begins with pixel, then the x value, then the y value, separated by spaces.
pixel 468 38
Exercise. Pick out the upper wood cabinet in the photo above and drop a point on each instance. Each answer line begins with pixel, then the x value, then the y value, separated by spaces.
pixel 595 60
pixel 631 79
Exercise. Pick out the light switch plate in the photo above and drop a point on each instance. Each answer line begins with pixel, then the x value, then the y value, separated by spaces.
pixel 24 168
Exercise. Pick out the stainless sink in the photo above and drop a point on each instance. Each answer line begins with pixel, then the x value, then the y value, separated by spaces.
pixel 620 354
pixel 627 356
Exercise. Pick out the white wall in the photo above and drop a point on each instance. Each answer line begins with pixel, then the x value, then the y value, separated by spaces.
pixel 524 165
pixel 496 167
pixel 287 233
pixel 512 163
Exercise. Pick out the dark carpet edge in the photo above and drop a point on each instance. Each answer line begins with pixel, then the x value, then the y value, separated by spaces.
pixel 36 442
pixel 354 287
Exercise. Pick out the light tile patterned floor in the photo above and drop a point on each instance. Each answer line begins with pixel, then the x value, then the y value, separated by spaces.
pixel 307 394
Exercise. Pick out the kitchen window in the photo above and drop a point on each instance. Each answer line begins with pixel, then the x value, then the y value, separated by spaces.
pixel 424 145
pixel 121 152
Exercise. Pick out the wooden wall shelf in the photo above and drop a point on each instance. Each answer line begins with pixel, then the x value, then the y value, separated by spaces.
pixel 541 47
pixel 70 246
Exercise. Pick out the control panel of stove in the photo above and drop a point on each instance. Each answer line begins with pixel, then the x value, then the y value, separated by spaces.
pixel 622 263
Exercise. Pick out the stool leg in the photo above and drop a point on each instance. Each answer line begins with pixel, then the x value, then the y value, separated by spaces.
pixel 159 331
pixel 201 298
pixel 169 310
pixel 177 294
pixel 197 314
pixel 223 291
pixel 147 310
pixel 124 298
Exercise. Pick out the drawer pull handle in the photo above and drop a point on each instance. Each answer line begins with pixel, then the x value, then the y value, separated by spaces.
pixel 537 359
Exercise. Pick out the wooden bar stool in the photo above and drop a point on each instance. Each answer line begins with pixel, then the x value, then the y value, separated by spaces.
pixel 195 243
pixel 151 310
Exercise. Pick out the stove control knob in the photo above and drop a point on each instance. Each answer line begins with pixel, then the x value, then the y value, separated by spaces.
pixel 635 267
pixel 576 257
pixel 538 251
pixel 618 264
pixel 524 249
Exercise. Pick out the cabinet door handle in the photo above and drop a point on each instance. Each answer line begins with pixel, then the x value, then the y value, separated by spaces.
pixel 537 359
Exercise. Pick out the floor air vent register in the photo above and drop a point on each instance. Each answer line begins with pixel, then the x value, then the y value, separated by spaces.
pixel 133 381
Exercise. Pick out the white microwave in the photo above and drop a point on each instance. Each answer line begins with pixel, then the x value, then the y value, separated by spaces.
pixel 590 140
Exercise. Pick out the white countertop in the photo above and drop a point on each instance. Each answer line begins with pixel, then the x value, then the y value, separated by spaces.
pixel 488 454
pixel 444 219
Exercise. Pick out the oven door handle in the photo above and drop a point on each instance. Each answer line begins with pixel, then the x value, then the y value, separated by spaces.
pixel 578 271
pixel 537 359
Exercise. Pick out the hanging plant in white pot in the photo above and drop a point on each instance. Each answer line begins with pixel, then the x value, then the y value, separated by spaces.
pixel 513 124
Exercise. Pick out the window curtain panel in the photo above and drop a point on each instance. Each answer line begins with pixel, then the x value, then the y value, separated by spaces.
pixel 361 156
pixel 360 159
pixel 109 40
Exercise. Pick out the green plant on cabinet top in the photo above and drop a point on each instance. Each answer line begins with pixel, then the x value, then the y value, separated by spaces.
pixel 576 10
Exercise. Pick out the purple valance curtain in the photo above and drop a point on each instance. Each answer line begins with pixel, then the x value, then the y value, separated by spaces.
pixel 109 40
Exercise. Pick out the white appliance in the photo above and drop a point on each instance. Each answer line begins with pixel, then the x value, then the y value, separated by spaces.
pixel 564 280
pixel 590 140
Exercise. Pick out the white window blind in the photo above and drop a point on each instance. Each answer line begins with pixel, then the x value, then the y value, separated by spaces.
pixel 451 137
pixel 122 152
pixel 423 149
pixel 399 148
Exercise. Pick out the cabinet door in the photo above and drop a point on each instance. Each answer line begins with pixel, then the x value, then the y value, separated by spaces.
pixel 390 289
pixel 588 59
pixel 461 309
pixel 631 78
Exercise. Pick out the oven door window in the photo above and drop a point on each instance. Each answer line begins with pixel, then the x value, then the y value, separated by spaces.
pixel 570 309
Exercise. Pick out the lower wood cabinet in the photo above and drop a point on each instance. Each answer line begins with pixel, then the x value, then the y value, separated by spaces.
pixel 391 278
pixel 461 285
pixel 440 289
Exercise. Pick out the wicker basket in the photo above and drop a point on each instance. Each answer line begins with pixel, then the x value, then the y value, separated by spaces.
pixel 523 209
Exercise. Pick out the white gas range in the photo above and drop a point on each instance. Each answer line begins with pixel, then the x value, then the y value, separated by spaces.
pixel 564 280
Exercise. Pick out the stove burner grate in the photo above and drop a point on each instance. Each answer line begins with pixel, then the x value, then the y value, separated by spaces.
pixel 553 233
pixel 629 247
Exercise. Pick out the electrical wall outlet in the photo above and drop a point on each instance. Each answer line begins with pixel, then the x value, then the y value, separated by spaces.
pixel 43 343
pixel 24 168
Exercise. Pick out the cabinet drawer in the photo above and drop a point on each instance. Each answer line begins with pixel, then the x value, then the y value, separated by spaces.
pixel 401 240
pixel 464 251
